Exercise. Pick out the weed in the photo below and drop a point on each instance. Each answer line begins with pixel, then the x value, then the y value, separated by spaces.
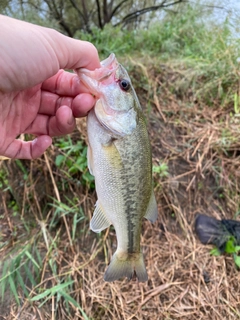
pixel 21 271
pixel 73 158
pixel 62 209
pixel 161 170
pixel 13 205
pixel 236 103
pixel 21 166
pixel 230 248
pixel 110 40
pixel 3 178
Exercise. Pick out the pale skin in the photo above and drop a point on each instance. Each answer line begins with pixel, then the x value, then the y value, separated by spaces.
pixel 36 95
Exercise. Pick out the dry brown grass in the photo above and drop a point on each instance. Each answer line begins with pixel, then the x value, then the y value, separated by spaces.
pixel 200 146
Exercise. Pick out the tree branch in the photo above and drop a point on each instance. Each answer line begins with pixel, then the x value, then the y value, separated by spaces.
pixel 73 2
pixel 116 8
pixel 34 6
pixel 138 13
pixel 99 15
pixel 58 17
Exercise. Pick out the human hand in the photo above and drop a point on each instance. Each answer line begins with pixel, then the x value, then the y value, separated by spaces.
pixel 36 95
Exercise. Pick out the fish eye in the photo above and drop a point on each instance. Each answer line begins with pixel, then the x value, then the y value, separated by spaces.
pixel 124 84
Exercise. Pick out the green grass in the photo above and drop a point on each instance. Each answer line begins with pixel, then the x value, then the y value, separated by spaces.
pixel 22 274
pixel 35 253
pixel 73 159
pixel 231 248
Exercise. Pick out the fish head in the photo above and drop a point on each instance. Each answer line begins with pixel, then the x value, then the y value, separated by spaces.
pixel 117 103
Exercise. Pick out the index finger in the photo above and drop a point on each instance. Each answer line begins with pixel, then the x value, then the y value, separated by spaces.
pixel 64 83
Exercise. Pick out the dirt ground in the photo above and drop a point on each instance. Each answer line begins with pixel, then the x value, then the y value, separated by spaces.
pixel 200 145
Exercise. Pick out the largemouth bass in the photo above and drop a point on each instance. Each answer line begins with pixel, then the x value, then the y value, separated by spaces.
pixel 119 157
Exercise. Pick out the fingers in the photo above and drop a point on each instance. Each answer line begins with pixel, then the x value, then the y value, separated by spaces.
pixel 62 123
pixel 80 105
pixel 19 149
pixel 59 124
pixel 64 83
pixel 51 102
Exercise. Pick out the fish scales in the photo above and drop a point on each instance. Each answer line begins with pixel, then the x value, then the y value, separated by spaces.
pixel 131 184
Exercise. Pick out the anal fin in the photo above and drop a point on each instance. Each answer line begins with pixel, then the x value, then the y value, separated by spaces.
pixel 152 210
pixel 99 220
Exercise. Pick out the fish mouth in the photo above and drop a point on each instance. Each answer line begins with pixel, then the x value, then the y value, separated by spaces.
pixel 109 60
pixel 103 75
pixel 109 66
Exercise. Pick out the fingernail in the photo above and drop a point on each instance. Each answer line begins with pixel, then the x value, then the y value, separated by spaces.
pixel 71 120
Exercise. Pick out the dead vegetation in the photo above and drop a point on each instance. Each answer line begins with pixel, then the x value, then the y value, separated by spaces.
pixel 200 145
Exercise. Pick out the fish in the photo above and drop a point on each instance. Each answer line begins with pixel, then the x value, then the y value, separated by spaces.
pixel 217 232
pixel 120 159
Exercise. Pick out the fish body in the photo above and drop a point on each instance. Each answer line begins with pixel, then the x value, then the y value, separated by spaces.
pixel 119 157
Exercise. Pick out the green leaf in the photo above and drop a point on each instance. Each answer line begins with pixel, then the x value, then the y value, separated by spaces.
pixel 236 103
pixel 13 289
pixel 51 291
pixel 236 260
pixel 215 252
pixel 3 280
pixel 59 159
pixel 28 254
pixel 29 274
pixel 237 248
pixel 41 295
pixel 230 248
pixel 74 302
pixel 38 255
pixel 22 284
pixel 69 299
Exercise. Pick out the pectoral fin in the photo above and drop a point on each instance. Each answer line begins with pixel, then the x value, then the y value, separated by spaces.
pixel 152 210
pixel 90 160
pixel 99 220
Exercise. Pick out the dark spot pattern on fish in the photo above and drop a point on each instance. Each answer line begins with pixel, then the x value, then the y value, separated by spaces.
pixel 134 195
pixel 129 196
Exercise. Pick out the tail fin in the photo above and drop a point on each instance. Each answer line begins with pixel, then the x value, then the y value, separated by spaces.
pixel 132 265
